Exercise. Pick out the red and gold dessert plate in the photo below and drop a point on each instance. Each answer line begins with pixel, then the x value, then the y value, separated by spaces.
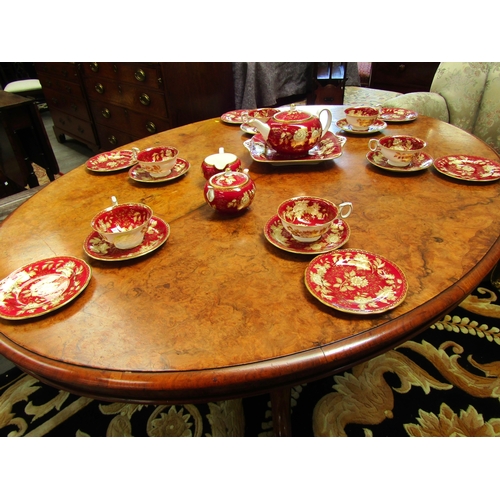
pixel 397 115
pixel 334 238
pixel 43 286
pixel 355 281
pixel 98 248
pixel 468 168
pixel 140 175
pixel 111 161
pixel 236 116
pixel 329 147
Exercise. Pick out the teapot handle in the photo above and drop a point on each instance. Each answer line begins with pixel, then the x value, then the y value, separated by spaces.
pixel 328 122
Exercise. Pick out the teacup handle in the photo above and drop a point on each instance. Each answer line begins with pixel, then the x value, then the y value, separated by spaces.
pixel 135 151
pixel 348 209
pixel 373 144
pixel 326 128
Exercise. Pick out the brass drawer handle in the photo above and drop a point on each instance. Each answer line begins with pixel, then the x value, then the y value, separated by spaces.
pixel 112 139
pixel 144 99
pixel 140 76
pixel 106 113
pixel 151 127
pixel 94 67
pixel 99 88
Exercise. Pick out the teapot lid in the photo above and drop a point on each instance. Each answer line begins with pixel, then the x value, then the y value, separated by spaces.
pixel 229 180
pixel 292 115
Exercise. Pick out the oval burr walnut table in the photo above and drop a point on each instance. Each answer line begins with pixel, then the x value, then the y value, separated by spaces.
pixel 217 312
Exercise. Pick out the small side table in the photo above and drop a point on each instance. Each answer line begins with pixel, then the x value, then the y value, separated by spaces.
pixel 27 135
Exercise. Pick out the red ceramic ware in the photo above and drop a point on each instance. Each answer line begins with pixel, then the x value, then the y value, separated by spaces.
pixel 123 225
pixel 157 161
pixel 361 117
pixel 229 192
pixel 219 162
pixel 293 132
pixel 307 218
pixel 398 149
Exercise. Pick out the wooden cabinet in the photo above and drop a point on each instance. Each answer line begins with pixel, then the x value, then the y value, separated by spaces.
pixel 127 101
pixel 106 105
pixel 65 96
pixel 403 76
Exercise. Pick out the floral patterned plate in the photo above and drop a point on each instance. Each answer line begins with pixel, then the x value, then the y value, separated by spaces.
pixel 139 174
pixel 397 115
pixel 420 161
pixel 355 281
pixel 236 117
pixel 278 236
pixel 98 248
pixel 329 147
pixel 376 126
pixel 111 161
pixel 468 168
pixel 42 287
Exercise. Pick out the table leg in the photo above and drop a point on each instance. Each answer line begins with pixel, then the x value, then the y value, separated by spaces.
pixel 280 406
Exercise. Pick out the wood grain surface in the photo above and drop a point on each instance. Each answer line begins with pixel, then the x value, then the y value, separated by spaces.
pixel 219 312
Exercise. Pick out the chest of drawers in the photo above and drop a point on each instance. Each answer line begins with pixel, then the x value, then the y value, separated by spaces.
pixel 127 101
pixel 63 91
pixel 106 105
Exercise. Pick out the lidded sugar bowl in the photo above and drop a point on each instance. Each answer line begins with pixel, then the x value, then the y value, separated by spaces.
pixel 230 192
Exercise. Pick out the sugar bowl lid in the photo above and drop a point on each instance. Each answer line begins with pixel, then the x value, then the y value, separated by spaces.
pixel 229 179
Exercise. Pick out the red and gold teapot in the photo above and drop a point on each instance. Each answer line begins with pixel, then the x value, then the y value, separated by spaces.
pixel 292 132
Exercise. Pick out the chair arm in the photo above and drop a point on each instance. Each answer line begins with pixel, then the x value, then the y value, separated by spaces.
pixel 424 103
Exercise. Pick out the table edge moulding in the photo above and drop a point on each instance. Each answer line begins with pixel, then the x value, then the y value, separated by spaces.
pixel 217 312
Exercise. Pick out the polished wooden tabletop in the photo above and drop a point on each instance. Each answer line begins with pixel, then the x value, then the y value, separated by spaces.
pixel 218 312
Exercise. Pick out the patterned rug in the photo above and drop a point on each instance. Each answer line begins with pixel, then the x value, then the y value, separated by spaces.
pixel 444 382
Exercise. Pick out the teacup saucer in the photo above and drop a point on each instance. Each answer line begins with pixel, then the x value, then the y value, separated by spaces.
pixel 98 248
pixel 278 236
pixel 421 161
pixel 376 126
pixel 111 161
pixel 140 175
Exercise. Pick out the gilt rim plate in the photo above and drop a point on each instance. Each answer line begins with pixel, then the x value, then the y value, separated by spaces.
pixel 98 248
pixel 138 174
pixel 234 117
pixel 376 126
pixel 42 286
pixel 468 168
pixel 397 115
pixel 334 238
pixel 111 161
pixel 329 148
pixel 420 161
pixel 355 281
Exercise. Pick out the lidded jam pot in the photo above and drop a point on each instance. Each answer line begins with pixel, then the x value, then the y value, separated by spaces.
pixel 230 192
pixel 219 162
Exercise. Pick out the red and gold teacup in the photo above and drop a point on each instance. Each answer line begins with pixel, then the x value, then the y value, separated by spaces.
pixel 361 117
pixel 398 149
pixel 308 218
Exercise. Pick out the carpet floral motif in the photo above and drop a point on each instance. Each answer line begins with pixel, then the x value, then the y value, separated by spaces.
pixel 445 382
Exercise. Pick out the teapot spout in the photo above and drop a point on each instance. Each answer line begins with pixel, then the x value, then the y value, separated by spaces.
pixel 263 128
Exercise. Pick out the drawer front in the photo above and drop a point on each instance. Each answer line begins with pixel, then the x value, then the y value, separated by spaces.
pixel 63 86
pixel 67 104
pixel 144 74
pixel 110 138
pixel 79 129
pixel 137 124
pixel 129 96
pixel 66 71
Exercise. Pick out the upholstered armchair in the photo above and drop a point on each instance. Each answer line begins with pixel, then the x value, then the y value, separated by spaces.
pixel 464 94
